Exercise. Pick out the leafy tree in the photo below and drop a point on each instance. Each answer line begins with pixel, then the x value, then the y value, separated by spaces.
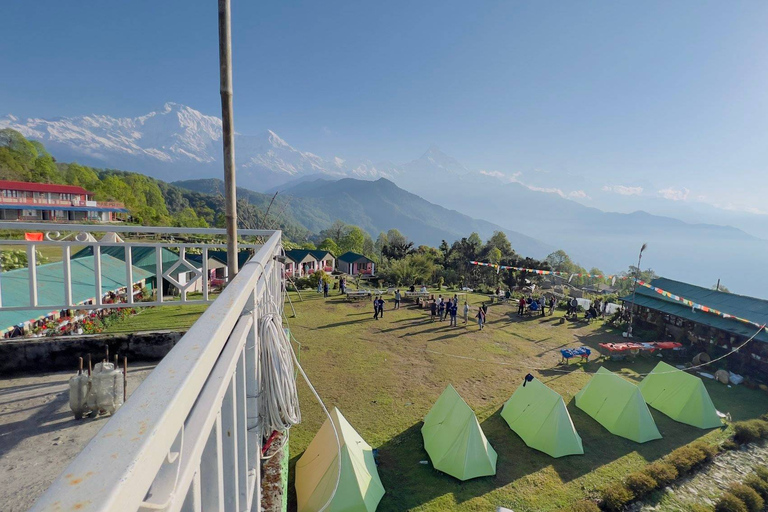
pixel 309 246
pixel 352 240
pixel 75 174
pixel 335 232
pixel 330 246
pixel 397 246
pixel 412 269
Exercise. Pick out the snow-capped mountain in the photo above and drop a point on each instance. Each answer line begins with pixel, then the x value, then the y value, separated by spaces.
pixel 180 141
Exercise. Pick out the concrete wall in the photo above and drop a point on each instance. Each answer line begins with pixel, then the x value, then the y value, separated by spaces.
pixel 37 355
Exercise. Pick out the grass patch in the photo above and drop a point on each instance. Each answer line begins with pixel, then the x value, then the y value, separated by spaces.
pixel 385 375
pixel 160 318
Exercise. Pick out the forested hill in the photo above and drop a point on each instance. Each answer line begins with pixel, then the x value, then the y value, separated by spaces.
pixel 375 206
pixel 150 201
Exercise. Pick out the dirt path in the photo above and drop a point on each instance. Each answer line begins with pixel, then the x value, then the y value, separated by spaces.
pixel 707 485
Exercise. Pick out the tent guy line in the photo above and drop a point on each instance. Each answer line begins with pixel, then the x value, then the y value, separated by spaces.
pixel 533 368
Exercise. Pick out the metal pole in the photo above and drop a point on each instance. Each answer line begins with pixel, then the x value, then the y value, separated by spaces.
pixel 634 289
pixel 228 134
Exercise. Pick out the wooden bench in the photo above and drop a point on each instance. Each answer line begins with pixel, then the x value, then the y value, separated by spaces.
pixel 359 295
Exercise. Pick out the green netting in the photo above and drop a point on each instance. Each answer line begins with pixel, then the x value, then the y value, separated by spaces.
pixel 454 440
pixel 539 416
pixel 317 470
pixel 618 405
pixel 679 395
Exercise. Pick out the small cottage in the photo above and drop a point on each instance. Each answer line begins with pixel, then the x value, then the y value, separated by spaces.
pixel 355 264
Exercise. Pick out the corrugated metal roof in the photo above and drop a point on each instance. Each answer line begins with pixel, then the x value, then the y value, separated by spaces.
pixel 749 308
pixel 42 187
pixel 50 285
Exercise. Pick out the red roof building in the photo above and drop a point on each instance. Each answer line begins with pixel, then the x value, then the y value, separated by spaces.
pixel 26 201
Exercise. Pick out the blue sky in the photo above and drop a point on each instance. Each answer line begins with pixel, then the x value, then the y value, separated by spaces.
pixel 663 96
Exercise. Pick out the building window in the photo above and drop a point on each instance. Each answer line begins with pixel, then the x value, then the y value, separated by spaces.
pixel 10 193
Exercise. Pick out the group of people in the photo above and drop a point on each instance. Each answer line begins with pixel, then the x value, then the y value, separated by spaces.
pixel 535 305
pixel 447 308
pixel 596 308
pixel 322 286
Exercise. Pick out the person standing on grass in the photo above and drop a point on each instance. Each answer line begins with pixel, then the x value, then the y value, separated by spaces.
pixel 381 307
pixel 521 307
pixel 441 308
pixel 485 309
pixel 433 309
pixel 376 308
pixel 480 317
pixel 320 285
pixel 543 305
pixel 466 312
pixel 551 305
pixel 397 299
pixel 454 311
pixel 325 289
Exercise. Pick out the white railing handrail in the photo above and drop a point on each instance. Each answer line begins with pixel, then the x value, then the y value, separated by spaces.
pixel 118 466
pixel 126 228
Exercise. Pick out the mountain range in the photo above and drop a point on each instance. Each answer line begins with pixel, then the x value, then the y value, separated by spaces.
pixel 180 141
pixel 376 206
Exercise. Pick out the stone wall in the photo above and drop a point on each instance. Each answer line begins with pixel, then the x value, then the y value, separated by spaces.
pixel 37 355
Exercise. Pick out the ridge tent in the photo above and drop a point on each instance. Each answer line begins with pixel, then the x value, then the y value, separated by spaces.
pixel 618 405
pixel 454 440
pixel 538 415
pixel 679 395
pixel 316 471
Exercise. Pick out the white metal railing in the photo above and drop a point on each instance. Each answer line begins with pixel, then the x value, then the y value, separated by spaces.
pixel 188 438
pixel 196 277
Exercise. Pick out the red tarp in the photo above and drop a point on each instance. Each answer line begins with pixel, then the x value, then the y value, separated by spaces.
pixel 33 237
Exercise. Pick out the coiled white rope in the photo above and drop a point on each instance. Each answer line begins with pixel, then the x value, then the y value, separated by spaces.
pixel 279 403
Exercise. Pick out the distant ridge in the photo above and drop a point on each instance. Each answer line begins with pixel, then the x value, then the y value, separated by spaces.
pixel 377 206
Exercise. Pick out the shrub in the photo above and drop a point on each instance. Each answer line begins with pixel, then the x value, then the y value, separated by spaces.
pixel 663 472
pixel 686 458
pixel 746 431
pixel 616 496
pixel 708 450
pixel 698 507
pixel 730 503
pixel 748 496
pixel 762 472
pixel 583 506
pixel 640 483
pixel 730 444
pixel 758 484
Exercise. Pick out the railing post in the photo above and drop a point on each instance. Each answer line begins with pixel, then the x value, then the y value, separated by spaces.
pixel 97 273
pixel 252 401
pixel 32 265
pixel 129 274
pixel 66 261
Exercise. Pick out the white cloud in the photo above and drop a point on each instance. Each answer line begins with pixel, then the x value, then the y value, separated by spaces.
pixel 674 194
pixel 623 190
pixel 515 178
pixel 580 194
pixel 509 178
pixel 493 174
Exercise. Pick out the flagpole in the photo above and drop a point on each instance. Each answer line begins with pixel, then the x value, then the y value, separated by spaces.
pixel 634 289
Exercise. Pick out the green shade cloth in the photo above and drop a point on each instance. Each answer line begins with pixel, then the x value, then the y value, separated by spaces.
pixel 317 470
pixel 679 395
pixel 618 405
pixel 142 257
pixel 539 416
pixel 50 286
pixel 454 440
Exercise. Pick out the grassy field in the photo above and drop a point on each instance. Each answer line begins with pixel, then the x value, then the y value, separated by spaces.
pixel 161 318
pixel 385 375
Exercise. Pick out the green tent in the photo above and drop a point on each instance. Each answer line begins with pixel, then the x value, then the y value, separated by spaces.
pixel 454 440
pixel 679 395
pixel 618 405
pixel 317 470
pixel 539 416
